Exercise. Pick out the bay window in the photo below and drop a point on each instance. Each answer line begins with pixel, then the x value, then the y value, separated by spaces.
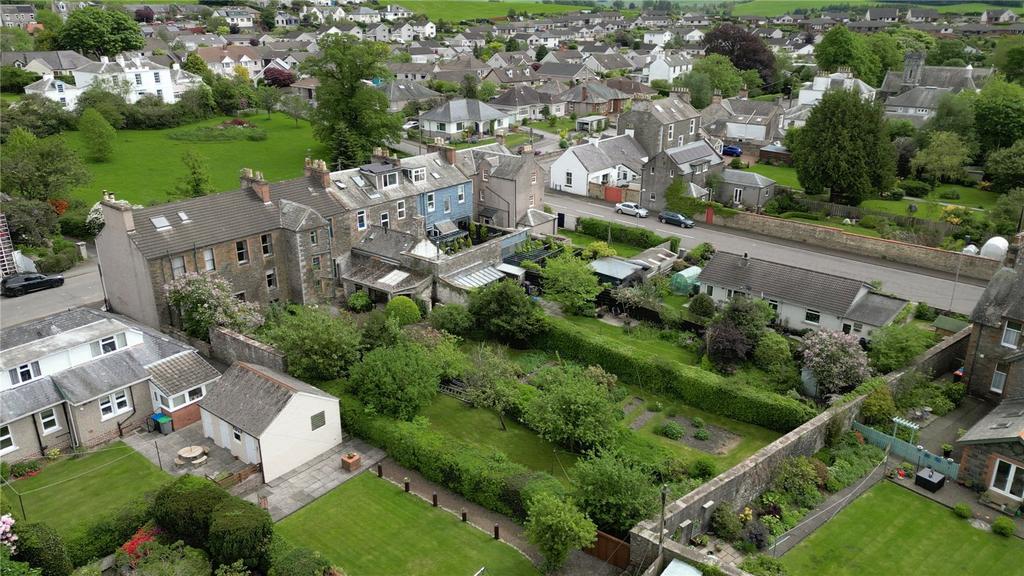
pixel 1008 479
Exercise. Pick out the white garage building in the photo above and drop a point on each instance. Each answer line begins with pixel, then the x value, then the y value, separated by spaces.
pixel 264 417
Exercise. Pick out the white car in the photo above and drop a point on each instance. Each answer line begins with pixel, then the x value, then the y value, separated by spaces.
pixel 411 124
pixel 631 209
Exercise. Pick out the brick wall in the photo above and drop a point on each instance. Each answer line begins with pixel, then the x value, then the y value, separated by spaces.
pixel 184 416
pixel 984 354
pixel 978 461
pixel 229 347
pixel 892 250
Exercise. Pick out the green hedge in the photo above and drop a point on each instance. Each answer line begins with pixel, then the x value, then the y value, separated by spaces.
pixel 42 547
pixel 698 388
pixel 487 478
pixel 184 507
pixel 241 530
pixel 107 533
pixel 632 235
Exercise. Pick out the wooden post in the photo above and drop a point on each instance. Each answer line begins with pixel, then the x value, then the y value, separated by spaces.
pixel 463 514
pixel 380 471
pixel 435 499
pixel 406 480
pixel 496 532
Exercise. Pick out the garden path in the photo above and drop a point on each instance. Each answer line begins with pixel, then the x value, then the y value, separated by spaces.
pixel 579 563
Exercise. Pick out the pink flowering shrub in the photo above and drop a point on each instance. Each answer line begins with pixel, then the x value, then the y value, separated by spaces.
pixel 206 300
pixel 836 360
pixel 7 536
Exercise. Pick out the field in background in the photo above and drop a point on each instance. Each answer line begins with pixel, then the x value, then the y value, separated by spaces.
pixel 780 7
pixel 456 10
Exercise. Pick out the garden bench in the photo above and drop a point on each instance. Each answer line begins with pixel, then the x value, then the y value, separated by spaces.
pixel 199 460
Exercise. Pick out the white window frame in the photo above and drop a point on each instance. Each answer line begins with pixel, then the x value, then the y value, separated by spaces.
pixel 138 79
pixel 361 220
pixel 461 193
pixel 112 402
pixel 568 179
pixel 671 132
pixel 178 269
pixel 385 220
pixel 266 245
pixel 8 438
pixel 998 381
pixel 52 418
pixel 156 77
pixel 807 314
pixel 431 203
pixel 390 179
pixel 209 260
pixel 16 373
pixel 401 210
pixel 693 126
pixel 314 237
pixel 99 347
pixel 484 174
pixel 271 277
pixel 533 177
pixel 242 255
pixel 1011 335
pixel 737 195
pixel 1005 489
pixel 236 434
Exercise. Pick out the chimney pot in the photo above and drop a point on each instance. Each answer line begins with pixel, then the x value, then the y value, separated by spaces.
pixel 716 98
pixel 449 155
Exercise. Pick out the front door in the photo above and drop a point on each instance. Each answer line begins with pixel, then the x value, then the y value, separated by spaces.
pixel 207 425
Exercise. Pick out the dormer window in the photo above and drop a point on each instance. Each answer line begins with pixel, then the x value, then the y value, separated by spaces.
pixel 108 344
pixel 1011 334
pixel 390 179
pixel 416 174
pixel 24 373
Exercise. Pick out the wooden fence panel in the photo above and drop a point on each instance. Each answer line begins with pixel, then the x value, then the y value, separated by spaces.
pixel 611 550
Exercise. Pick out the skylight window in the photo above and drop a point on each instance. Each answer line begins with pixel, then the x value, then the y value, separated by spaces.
pixel 435 175
pixel 184 217
pixel 161 223
pixel 358 180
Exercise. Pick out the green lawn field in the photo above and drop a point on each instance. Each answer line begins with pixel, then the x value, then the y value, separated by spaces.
pixel 581 240
pixel 783 175
pixel 456 10
pixel 369 527
pixel 780 7
pixel 890 530
pixel 71 493
pixel 146 164
pixel 481 428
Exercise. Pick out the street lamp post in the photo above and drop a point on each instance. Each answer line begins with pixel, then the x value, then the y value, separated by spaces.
pixel 956 278
pixel 661 530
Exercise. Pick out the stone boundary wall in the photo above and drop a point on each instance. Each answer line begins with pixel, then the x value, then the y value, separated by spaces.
pixel 891 250
pixel 229 347
pixel 747 480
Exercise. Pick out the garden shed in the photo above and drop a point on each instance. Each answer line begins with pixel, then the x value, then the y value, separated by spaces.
pixel 684 281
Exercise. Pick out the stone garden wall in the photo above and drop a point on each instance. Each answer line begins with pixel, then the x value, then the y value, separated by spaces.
pixel 230 347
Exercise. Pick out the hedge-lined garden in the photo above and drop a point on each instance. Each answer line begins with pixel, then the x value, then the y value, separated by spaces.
pixel 632 235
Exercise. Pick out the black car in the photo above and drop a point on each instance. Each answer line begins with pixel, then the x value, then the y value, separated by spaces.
pixel 681 220
pixel 24 283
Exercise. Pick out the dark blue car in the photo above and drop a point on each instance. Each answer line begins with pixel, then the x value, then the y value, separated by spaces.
pixel 732 151
pixel 680 220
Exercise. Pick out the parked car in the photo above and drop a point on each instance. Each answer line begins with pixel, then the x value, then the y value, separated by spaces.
pixel 680 220
pixel 24 283
pixel 732 151
pixel 631 209
pixel 411 125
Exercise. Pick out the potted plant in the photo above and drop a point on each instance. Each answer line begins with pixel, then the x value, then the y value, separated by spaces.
pixel 947 450
pixel 351 461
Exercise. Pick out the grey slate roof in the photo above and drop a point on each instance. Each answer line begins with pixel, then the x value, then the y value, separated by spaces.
pixel 1002 298
pixel 533 217
pixel 593 92
pixel 919 97
pixel 518 96
pixel 666 110
pixel 817 290
pixel 953 77
pixel 610 152
pixel 463 110
pixel 182 372
pixel 563 70
pixel 26 332
pixel 692 151
pixel 614 61
pixel 250 396
pixel 100 376
pixel 385 243
pixel 746 178
pixel 876 309
pixel 1005 423
pixel 21 401
pixel 55 59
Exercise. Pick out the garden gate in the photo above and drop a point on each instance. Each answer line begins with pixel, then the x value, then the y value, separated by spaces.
pixel 922 458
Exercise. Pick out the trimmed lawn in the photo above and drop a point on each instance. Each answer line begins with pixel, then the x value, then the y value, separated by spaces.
pixel 581 240
pixel 752 438
pixel 512 141
pixel 456 10
pixel 368 526
pixel 563 123
pixel 481 428
pixel 890 530
pixel 146 164
pixel 780 7
pixel 95 484
pixel 839 224
pixel 783 175
pixel 641 343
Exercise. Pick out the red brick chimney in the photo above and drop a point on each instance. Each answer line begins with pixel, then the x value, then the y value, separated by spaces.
pixel 449 155
pixel 254 181
pixel 744 93
pixel 319 173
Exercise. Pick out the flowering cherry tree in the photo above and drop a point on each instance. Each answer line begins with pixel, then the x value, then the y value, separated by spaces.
pixel 836 360
pixel 205 300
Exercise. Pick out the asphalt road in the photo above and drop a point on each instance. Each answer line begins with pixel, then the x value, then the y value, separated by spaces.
pixel 916 284
pixel 81 288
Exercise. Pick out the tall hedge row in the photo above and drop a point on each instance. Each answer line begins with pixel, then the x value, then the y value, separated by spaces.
pixel 632 235
pixel 698 388
pixel 487 478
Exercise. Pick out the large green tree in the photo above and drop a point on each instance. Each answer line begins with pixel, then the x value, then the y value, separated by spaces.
pixel 955 113
pixel 844 149
pixel 943 159
pixel 701 90
pixel 40 169
pixel 557 528
pixel 100 32
pixel 840 47
pixel 506 312
pixel 574 409
pixel 396 380
pixel 318 345
pixel 744 49
pixel 491 381
pixel 1007 214
pixel 1005 167
pixel 999 109
pixel 196 181
pixel 351 116
pixel 13 39
pixel 97 134
pixel 613 493
pixel 1008 57
pixel 569 281
pixel 720 72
